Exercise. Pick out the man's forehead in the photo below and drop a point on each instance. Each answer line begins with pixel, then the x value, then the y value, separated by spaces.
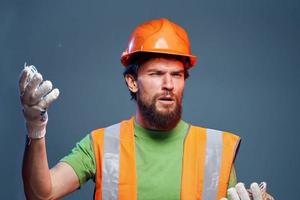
pixel 163 64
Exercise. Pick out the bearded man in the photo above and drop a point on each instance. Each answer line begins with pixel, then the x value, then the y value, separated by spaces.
pixel 153 155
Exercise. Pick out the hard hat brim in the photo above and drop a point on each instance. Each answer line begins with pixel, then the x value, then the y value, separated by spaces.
pixel 126 58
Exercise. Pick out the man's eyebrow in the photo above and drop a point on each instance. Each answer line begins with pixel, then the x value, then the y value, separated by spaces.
pixel 178 71
pixel 160 70
pixel 154 70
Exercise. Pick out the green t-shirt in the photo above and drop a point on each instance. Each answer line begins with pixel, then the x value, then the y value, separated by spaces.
pixel 159 161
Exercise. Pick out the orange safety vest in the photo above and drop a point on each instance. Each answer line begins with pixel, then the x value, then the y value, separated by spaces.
pixel 207 160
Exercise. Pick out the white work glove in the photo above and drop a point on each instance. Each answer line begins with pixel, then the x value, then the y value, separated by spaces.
pixel 256 192
pixel 36 96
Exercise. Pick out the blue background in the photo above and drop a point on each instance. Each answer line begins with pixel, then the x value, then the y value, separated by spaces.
pixel 246 80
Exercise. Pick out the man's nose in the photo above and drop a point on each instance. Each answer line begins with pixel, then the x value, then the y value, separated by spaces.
pixel 168 82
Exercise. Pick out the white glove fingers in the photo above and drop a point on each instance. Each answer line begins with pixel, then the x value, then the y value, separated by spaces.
pixel 44 88
pixel 232 193
pixel 23 80
pixel 256 191
pixel 26 75
pixel 241 190
pixel 31 87
pixel 224 198
pixel 49 98
pixel 31 68
pixel 263 186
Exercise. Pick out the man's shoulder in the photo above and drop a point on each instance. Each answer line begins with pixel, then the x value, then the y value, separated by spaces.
pixel 212 130
pixel 112 125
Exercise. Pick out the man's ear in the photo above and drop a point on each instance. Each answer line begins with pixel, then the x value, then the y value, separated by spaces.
pixel 131 83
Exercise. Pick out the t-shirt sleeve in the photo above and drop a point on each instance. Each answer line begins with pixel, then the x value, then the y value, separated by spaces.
pixel 82 160
pixel 232 180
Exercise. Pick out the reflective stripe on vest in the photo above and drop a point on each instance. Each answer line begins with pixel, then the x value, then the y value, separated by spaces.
pixel 213 153
pixel 207 161
pixel 111 162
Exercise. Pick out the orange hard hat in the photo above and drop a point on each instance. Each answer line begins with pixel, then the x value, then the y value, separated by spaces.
pixel 159 36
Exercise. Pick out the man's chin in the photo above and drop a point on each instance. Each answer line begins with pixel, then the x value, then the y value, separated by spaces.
pixel 159 115
pixel 165 111
pixel 165 108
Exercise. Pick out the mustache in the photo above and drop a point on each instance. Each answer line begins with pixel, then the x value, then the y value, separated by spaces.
pixel 166 94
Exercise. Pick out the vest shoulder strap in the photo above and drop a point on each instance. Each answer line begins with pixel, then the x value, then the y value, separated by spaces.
pixel 114 150
pixel 207 162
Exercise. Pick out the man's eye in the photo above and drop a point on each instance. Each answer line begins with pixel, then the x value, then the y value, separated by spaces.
pixel 179 75
pixel 155 74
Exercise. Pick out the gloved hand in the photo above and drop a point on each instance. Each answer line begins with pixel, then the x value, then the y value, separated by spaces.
pixel 256 192
pixel 36 96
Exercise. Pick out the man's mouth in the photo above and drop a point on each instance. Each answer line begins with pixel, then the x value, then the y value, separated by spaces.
pixel 166 100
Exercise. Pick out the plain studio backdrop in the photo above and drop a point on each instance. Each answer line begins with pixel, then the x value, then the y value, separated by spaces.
pixel 246 80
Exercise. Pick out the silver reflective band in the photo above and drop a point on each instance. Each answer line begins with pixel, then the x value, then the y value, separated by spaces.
pixel 213 154
pixel 111 163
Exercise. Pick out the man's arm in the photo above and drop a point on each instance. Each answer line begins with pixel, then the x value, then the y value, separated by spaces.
pixel 39 182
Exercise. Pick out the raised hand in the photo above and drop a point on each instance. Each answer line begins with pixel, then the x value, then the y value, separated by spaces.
pixel 36 96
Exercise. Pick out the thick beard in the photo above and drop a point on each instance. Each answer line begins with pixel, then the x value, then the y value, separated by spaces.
pixel 156 119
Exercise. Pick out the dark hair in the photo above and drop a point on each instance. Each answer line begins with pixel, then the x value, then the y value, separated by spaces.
pixel 138 59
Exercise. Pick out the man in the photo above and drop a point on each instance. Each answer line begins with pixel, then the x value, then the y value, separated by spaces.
pixel 154 155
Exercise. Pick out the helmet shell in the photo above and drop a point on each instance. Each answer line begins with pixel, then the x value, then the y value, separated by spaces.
pixel 159 36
